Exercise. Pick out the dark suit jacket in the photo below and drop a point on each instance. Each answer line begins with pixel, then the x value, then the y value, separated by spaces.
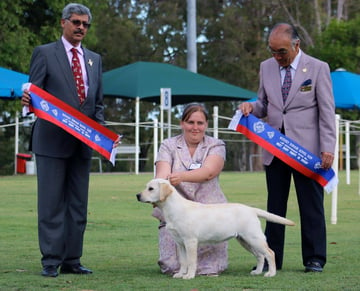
pixel 308 114
pixel 51 71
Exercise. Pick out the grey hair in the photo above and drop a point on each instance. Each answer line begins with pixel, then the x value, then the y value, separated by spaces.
pixel 290 30
pixel 75 8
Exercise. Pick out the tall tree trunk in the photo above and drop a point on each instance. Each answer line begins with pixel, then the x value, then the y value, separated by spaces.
pixel 340 9
pixel 317 16
pixel 306 36
pixel 328 12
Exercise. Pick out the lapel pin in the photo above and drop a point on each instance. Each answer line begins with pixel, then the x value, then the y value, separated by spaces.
pixel 304 70
pixel 90 62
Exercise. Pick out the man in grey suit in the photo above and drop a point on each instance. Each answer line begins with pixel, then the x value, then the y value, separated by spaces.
pixel 63 162
pixel 304 112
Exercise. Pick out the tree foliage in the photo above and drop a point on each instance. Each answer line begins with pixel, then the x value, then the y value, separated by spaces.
pixel 339 45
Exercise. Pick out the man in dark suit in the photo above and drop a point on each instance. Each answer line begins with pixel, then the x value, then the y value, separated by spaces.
pixel 304 111
pixel 63 162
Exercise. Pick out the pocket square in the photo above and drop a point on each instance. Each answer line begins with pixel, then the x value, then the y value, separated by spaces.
pixel 306 86
pixel 307 82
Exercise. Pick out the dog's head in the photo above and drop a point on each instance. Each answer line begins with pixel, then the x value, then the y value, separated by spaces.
pixel 156 191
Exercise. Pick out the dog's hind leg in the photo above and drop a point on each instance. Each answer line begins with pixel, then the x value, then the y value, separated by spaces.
pixel 259 264
pixel 259 257
pixel 261 250
pixel 270 257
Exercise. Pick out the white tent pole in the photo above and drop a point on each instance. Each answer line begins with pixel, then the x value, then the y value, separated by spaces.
pixel 161 124
pixel 169 122
pixel 358 160
pixel 336 169
pixel 137 135
pixel 216 121
pixel 156 129
pixel 165 104
pixel 347 151
pixel 16 139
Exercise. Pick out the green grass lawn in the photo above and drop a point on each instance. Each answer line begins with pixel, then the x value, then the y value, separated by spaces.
pixel 121 240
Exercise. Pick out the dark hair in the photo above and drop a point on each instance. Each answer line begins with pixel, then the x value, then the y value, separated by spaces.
pixel 76 8
pixel 288 29
pixel 191 108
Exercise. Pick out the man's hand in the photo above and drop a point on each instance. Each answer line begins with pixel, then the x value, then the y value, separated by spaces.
pixel 246 108
pixel 25 99
pixel 326 160
pixel 117 141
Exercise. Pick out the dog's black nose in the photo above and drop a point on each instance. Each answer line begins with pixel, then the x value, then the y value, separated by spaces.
pixel 138 196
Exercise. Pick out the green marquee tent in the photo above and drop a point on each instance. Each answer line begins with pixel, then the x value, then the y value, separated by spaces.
pixel 144 79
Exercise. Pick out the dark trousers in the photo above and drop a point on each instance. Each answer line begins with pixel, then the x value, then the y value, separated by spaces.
pixel 62 208
pixel 310 196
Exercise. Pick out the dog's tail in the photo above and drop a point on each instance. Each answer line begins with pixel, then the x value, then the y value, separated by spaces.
pixel 273 217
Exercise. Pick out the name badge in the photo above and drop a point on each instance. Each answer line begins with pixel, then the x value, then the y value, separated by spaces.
pixel 305 88
pixel 194 166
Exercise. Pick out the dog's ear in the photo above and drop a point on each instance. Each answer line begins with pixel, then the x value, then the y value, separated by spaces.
pixel 165 191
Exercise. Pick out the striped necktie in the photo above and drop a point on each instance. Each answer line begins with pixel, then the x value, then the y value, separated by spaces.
pixel 286 84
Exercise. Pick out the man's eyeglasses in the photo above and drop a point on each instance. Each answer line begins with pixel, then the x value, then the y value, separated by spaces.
pixel 281 52
pixel 77 22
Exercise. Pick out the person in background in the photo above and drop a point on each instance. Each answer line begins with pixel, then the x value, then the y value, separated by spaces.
pixel 295 95
pixel 63 162
pixel 192 162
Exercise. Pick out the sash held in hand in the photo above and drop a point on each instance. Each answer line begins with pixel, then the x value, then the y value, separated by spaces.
pixel 284 148
pixel 52 109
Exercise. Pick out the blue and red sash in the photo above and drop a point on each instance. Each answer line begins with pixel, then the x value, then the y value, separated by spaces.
pixel 52 109
pixel 284 148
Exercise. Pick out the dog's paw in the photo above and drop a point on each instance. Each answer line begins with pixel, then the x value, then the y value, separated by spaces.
pixel 178 275
pixel 255 272
pixel 269 274
pixel 188 276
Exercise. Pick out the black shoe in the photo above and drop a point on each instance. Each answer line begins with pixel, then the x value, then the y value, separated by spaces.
pixel 313 267
pixel 49 271
pixel 74 269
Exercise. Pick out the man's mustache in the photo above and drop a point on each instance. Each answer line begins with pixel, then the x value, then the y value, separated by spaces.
pixel 79 31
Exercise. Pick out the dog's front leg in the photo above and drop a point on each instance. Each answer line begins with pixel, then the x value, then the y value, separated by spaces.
pixel 182 260
pixel 191 247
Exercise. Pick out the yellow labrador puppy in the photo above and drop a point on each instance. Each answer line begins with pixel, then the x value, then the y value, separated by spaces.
pixel 191 223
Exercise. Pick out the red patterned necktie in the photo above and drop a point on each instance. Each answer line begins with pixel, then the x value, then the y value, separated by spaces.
pixel 76 68
pixel 286 84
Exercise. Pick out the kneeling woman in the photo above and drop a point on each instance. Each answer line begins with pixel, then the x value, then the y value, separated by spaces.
pixel 192 161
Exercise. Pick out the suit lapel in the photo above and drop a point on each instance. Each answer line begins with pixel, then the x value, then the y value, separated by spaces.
pixel 89 67
pixel 301 70
pixel 64 66
pixel 275 79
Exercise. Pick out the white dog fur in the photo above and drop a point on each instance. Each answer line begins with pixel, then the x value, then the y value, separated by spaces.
pixel 191 223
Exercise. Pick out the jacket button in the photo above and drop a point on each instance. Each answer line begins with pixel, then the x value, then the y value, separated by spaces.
pixel 284 112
